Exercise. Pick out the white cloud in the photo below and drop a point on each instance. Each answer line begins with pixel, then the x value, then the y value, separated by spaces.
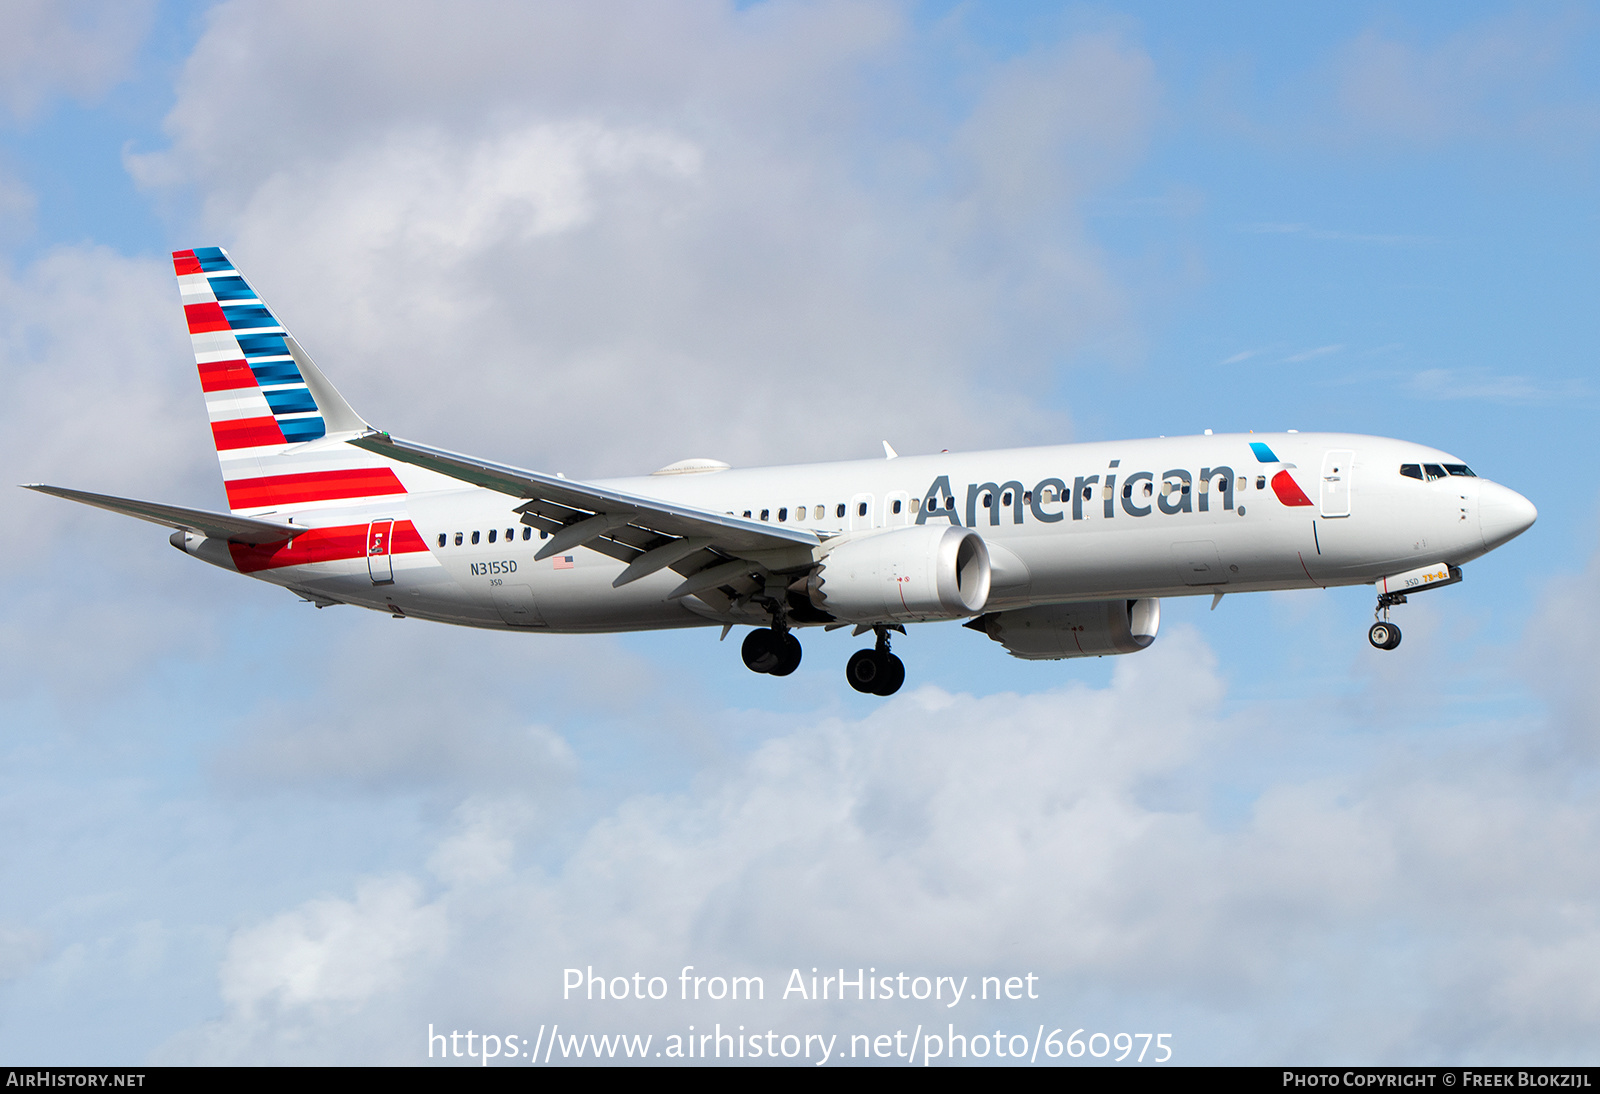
pixel 1487 80
pixel 376 733
pixel 21 948
pixel 94 351
pixel 1564 637
pixel 103 397
pixel 1311 354
pixel 1069 833
pixel 624 266
pixel 482 847
pixel 75 47
pixel 1481 383
pixel 17 204
pixel 332 951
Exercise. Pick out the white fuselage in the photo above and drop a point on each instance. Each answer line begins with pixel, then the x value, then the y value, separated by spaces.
pixel 1055 532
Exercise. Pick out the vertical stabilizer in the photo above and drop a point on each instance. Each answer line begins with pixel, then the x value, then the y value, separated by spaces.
pixel 255 394
pixel 277 423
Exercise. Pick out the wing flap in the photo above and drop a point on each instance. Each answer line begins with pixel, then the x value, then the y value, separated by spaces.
pixel 252 530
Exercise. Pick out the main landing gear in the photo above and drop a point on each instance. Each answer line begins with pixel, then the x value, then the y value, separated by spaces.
pixel 876 671
pixel 772 650
pixel 1383 634
pixel 776 652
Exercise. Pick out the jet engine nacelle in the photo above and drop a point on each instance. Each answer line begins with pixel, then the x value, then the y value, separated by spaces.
pixel 1092 629
pixel 903 576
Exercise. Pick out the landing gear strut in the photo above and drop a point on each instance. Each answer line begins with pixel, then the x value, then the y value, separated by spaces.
pixel 876 671
pixel 1383 634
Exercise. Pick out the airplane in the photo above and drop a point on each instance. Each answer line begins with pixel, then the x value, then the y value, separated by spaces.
pixel 1053 552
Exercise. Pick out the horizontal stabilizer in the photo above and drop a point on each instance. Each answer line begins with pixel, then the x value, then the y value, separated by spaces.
pixel 218 525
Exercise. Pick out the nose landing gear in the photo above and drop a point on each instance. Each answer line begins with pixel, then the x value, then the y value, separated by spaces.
pixel 1383 634
pixel 876 671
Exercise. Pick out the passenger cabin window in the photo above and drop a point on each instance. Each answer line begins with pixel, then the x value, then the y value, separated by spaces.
pixel 896 505
pixel 1261 482
pixel 1411 471
pixel 458 539
pixel 1088 493
pixel 491 535
pixel 747 513
pixel 443 539
pixel 474 537
pixel 986 502
pixel 1005 499
pixel 841 510
pixel 821 511
pixel 861 510
pixel 1244 484
pixel 511 534
pixel 766 514
pixel 1047 494
pixel 527 532
pixel 1433 471
pixel 783 515
pixel 1460 469
pixel 914 502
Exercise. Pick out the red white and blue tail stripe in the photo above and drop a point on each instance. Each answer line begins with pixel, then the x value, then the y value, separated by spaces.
pixel 280 449
pixel 255 393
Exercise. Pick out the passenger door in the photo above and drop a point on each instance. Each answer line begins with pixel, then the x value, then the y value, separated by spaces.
pixel 1336 482
pixel 380 564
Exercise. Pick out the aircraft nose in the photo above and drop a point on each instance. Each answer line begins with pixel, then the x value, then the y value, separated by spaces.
pixel 1503 514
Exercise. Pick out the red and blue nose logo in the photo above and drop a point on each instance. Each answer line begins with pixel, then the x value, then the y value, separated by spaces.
pixel 1283 484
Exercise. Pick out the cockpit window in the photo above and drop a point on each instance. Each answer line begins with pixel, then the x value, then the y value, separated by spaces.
pixel 1433 471
pixel 1411 471
pixel 1460 469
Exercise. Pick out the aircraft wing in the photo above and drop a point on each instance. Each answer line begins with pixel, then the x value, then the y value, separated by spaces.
pixel 710 550
pixel 220 525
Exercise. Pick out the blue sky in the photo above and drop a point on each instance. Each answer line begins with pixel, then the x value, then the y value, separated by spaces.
pixel 596 240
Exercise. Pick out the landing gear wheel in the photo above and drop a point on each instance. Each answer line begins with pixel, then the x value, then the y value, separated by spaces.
pixel 1384 636
pixel 788 655
pixel 863 670
pixel 763 650
pixel 875 672
pixel 894 674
